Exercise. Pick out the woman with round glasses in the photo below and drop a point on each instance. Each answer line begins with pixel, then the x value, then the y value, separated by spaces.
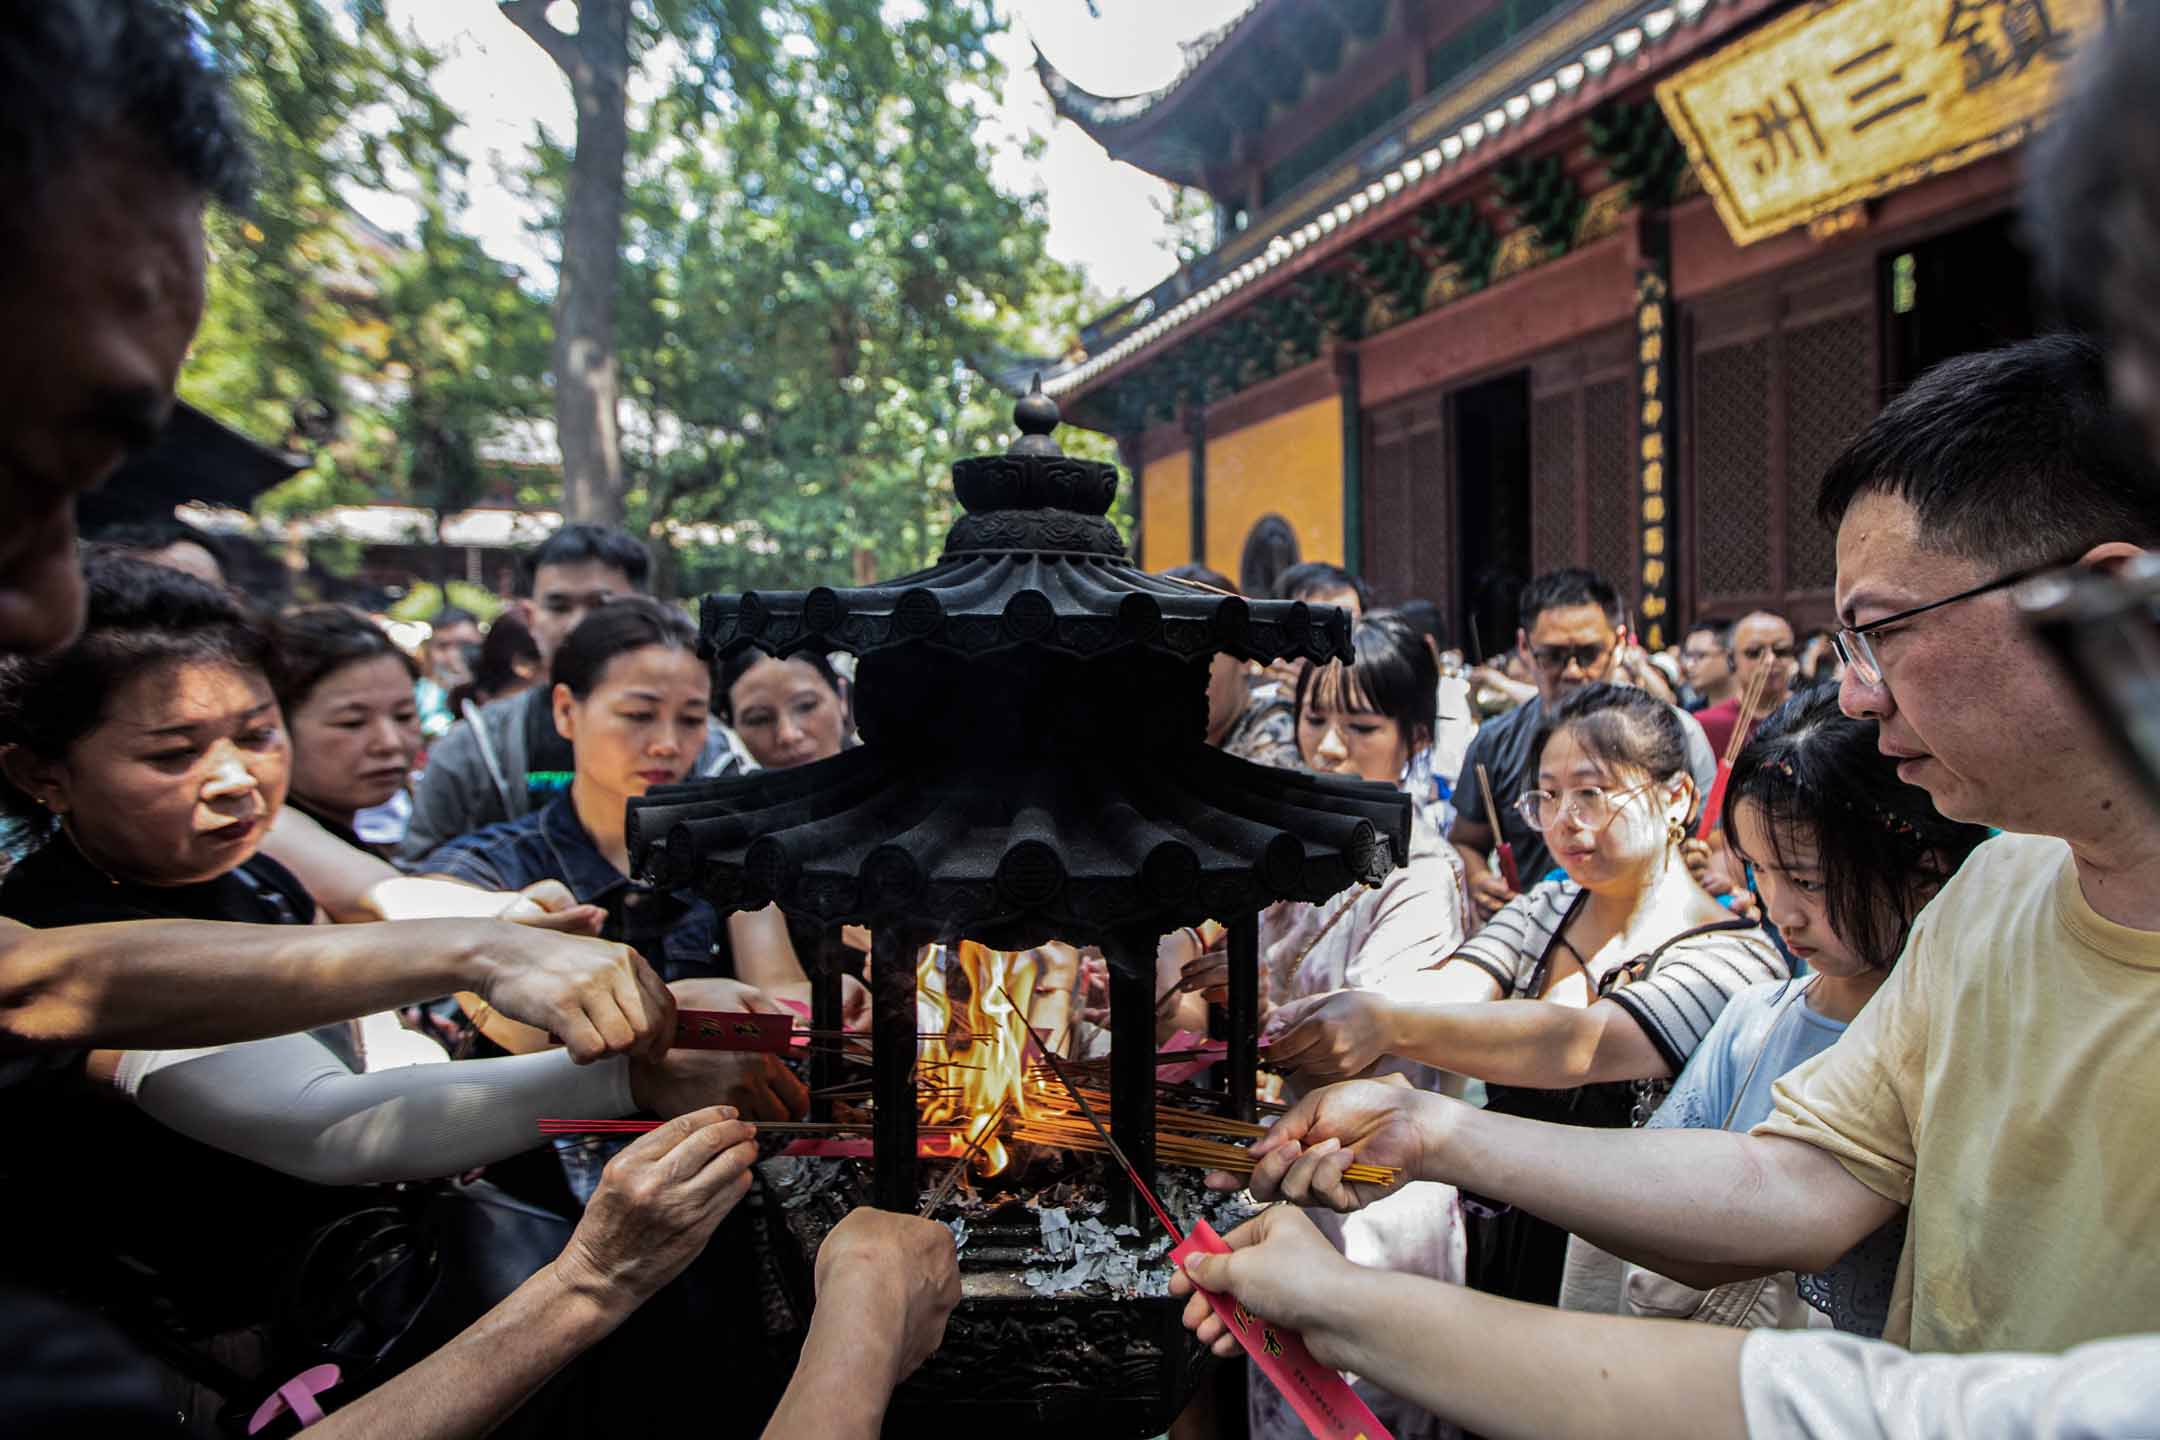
pixel 1610 977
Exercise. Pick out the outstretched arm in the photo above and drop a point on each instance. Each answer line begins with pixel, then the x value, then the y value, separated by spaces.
pixel 1534 1043
pixel 1496 1367
pixel 176 983
pixel 885 1284
pixel 1746 1204
pixel 658 1203
pixel 1505 1369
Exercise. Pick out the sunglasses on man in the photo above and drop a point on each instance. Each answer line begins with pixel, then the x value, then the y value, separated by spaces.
pixel 1553 659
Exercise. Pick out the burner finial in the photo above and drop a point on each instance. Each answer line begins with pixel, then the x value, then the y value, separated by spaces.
pixel 1037 415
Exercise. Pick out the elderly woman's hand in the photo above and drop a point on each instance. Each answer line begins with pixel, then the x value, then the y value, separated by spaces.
pixel 658 1204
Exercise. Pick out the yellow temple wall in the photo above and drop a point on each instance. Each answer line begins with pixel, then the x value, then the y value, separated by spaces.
pixel 1166 511
pixel 1290 465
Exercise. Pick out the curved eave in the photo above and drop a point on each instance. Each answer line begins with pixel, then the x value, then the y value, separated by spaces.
pixel 1079 605
pixel 1457 153
pixel 1136 845
pixel 1133 128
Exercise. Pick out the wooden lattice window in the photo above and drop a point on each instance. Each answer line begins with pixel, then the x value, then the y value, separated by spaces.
pixel 1829 398
pixel 1782 373
pixel 1582 446
pixel 1732 472
pixel 1609 477
pixel 1552 480
pixel 1407 500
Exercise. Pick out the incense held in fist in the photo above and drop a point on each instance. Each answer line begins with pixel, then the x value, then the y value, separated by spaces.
pixel 658 1203
pixel 760 1087
pixel 1304 1155
pixel 1282 1269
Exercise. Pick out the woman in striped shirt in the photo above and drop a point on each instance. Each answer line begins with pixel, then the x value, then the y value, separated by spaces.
pixel 1606 980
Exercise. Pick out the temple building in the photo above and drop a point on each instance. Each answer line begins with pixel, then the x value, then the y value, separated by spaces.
pixel 1502 285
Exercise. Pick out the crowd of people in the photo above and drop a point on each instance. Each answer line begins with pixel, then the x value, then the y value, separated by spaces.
pixel 1763 1029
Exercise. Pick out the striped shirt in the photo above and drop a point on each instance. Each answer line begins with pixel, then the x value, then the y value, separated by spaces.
pixel 1674 993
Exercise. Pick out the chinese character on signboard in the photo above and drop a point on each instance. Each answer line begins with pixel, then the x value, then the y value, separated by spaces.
pixel 1840 101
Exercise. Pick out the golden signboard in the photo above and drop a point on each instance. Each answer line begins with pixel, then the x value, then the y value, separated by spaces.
pixel 1844 100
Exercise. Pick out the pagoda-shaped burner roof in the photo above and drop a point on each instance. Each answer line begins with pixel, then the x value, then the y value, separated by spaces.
pixel 1034 765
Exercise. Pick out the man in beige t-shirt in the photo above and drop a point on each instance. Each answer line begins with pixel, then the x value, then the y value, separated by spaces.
pixel 2004 1086
pixel 2005 1082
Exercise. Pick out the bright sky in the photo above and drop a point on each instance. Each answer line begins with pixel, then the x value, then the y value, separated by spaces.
pixel 1100 213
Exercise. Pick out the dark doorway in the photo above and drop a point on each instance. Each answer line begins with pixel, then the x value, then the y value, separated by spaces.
pixel 1492 466
pixel 1968 290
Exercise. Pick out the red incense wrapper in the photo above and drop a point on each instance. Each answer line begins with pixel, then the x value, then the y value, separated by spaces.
pixel 1508 872
pixel 734 1030
pixel 1320 1396
pixel 1713 809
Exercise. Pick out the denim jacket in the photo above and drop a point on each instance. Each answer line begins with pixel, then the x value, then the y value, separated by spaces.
pixel 675 930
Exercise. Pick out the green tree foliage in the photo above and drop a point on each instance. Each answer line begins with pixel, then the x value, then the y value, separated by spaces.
pixel 819 284
pixel 388 358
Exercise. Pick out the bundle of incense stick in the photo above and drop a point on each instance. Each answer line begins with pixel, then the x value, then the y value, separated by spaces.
pixel 553 1125
pixel 1172 1149
pixel 1196 1122
pixel 1502 850
pixel 1714 803
pixel 1749 701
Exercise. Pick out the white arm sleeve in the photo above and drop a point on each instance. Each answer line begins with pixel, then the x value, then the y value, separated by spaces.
pixel 1820 1385
pixel 287 1103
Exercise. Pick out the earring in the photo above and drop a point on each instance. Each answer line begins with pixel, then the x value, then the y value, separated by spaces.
pixel 1675 832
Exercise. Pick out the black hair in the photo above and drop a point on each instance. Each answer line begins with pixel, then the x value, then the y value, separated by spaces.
pixel 1317 577
pixel 1392 674
pixel 453 615
pixel 1573 586
pixel 1718 625
pixel 1424 617
pixel 2010 457
pixel 616 628
pixel 2092 184
pixel 739 664
pixel 495 660
pixel 1200 574
pixel 139 614
pixel 73 72
pixel 1619 725
pixel 142 536
pixel 310 643
pixel 1881 847
pixel 580 543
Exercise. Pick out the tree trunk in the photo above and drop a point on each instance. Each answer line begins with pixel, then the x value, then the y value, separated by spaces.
pixel 587 427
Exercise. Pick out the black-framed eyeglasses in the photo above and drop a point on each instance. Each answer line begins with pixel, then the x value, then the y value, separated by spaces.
pixel 1857 650
pixel 1554 658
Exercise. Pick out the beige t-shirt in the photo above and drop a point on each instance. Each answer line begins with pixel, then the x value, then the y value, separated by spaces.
pixel 2005 1084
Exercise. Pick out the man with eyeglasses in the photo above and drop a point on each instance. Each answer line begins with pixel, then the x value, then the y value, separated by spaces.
pixel 1572 635
pixel 2003 1088
pixel 1759 643
pixel 1706 666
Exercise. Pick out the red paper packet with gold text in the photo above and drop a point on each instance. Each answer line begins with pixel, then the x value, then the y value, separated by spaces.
pixel 1320 1396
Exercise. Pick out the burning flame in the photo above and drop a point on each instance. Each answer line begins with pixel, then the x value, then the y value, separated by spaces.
pixel 975 1043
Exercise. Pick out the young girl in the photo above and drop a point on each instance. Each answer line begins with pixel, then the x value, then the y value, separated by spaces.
pixel 1843 855
pixel 1610 977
